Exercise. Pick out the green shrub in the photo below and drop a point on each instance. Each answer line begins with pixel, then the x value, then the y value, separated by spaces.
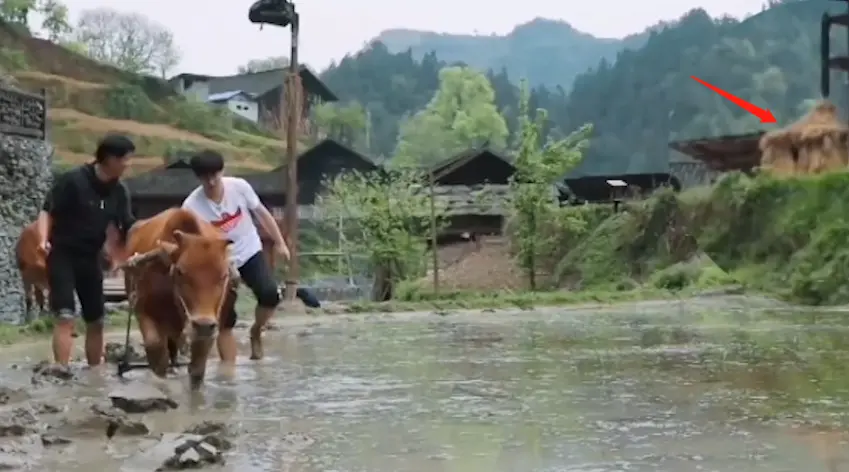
pixel 178 151
pixel 247 126
pixel 675 277
pixel 785 236
pixel 129 102
pixel 12 60
pixel 714 276
pixel 210 121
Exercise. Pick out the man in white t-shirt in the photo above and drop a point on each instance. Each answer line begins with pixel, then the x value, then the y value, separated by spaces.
pixel 227 203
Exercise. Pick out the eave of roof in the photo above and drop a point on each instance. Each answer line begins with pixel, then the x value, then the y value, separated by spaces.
pixel 728 152
pixel 451 164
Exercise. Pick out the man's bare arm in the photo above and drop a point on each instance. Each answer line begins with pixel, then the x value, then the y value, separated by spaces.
pixel 263 216
pixel 269 224
pixel 42 226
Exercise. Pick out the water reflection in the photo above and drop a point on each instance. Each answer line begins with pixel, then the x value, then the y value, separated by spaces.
pixel 608 391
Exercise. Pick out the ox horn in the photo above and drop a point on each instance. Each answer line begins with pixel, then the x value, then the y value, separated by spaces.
pixel 137 259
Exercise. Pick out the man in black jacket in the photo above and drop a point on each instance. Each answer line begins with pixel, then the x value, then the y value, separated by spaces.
pixel 72 227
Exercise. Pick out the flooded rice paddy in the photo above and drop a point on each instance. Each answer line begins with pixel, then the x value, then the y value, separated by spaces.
pixel 704 385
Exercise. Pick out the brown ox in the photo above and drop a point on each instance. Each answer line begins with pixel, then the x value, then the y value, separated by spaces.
pixel 183 287
pixel 32 263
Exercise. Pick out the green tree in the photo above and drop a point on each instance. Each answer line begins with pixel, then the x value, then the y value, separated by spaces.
pixel 391 220
pixel 55 21
pixel 462 114
pixel 344 123
pixel 539 164
pixel 16 12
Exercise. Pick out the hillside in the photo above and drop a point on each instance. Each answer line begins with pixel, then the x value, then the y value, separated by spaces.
pixel 647 97
pixel 637 102
pixel 546 52
pixel 87 99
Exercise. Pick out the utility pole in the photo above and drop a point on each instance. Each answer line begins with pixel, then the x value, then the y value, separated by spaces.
pixel 293 90
pixel 434 247
pixel 282 13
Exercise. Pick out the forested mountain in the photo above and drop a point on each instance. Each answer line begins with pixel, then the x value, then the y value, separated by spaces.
pixel 393 87
pixel 647 97
pixel 639 100
pixel 543 51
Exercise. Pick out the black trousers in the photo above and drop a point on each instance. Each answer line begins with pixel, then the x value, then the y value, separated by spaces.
pixel 258 276
pixel 70 273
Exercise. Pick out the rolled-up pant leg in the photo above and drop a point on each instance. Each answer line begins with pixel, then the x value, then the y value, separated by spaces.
pixel 258 276
pixel 73 273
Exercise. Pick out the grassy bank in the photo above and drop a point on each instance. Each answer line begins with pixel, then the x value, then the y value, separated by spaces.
pixel 43 327
pixel 505 300
pixel 787 237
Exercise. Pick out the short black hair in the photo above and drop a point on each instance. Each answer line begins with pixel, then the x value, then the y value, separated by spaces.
pixel 206 163
pixel 114 145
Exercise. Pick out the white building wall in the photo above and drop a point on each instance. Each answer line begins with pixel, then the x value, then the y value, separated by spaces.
pixel 244 107
pixel 197 90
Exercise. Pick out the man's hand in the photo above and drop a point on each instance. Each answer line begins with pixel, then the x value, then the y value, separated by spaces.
pixel 281 250
pixel 44 247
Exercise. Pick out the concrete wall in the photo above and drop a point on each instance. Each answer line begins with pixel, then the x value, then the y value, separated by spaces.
pixel 25 177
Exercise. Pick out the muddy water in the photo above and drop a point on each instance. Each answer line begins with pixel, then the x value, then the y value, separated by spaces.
pixel 653 387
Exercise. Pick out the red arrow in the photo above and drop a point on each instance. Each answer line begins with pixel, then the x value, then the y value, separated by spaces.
pixel 764 114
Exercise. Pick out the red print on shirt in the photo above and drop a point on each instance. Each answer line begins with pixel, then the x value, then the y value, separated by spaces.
pixel 228 221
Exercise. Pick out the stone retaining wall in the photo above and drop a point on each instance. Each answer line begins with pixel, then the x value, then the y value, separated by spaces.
pixel 25 177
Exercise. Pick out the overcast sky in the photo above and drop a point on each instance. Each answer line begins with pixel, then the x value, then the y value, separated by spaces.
pixel 215 37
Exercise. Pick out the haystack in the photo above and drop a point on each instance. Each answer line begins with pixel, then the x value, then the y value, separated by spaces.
pixel 487 266
pixel 815 144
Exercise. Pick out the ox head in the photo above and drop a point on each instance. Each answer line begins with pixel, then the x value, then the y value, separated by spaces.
pixel 202 274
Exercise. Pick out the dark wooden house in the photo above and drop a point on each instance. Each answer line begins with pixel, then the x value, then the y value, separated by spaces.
pixel 161 188
pixel 724 153
pixel 167 186
pixel 474 185
pixel 473 167
pixel 614 188
pixel 323 161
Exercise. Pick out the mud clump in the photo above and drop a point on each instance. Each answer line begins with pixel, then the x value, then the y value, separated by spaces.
pixel 115 353
pixel 48 440
pixel 18 422
pixel 210 427
pixel 47 372
pixel 190 451
pixel 18 453
pixel 140 398
pixel 97 419
pixel 201 445
pixel 214 433
pixel 12 395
